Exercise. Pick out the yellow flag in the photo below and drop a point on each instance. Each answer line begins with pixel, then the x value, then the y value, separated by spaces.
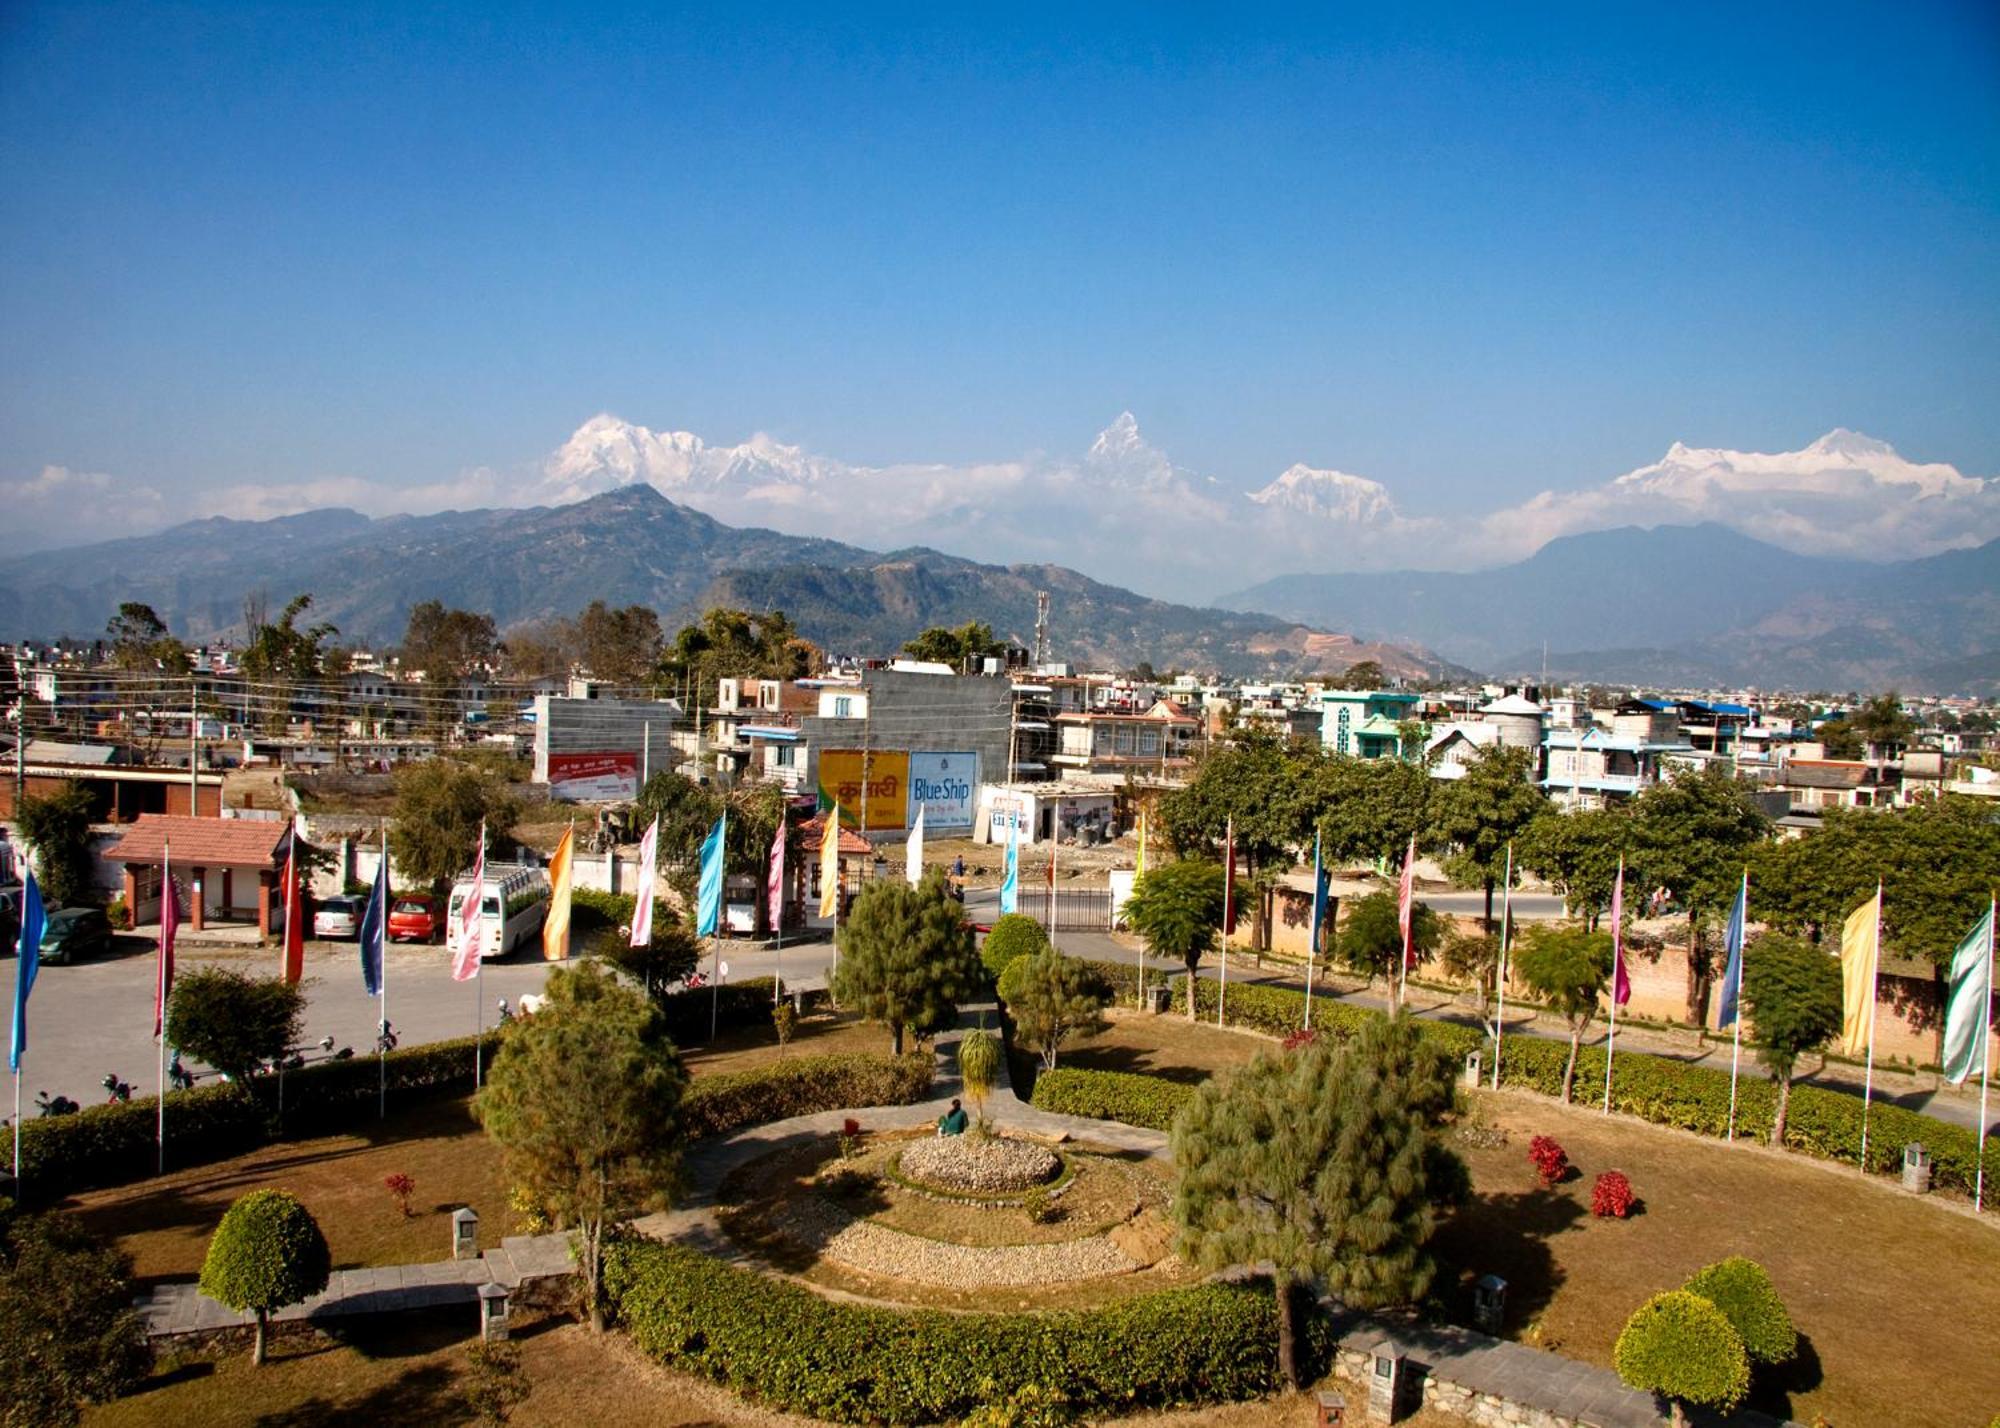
pixel 1860 950
pixel 1142 841
pixel 555 931
pixel 829 864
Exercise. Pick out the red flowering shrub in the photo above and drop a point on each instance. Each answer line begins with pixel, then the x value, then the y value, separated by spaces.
pixel 402 1187
pixel 1305 1036
pixel 850 1127
pixel 1611 1194
pixel 1551 1160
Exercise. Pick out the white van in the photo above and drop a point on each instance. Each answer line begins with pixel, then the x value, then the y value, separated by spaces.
pixel 516 906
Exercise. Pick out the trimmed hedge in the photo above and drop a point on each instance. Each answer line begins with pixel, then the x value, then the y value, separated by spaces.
pixel 113 1144
pixel 1743 1291
pixel 1134 1099
pixel 735 1004
pixel 792 1350
pixel 1822 1123
pixel 809 1084
pixel 1681 1346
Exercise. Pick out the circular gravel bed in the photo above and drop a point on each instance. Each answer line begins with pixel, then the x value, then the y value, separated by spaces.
pixel 978 1165
pixel 879 1250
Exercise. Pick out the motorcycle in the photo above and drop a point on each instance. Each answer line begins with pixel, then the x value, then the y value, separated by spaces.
pixel 118 1090
pixel 55 1105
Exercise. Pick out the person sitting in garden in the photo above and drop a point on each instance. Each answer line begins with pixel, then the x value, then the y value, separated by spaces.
pixel 953 1121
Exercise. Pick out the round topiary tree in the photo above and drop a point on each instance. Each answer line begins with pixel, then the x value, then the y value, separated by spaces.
pixel 1680 1346
pixel 1741 1289
pixel 267 1252
pixel 1014 935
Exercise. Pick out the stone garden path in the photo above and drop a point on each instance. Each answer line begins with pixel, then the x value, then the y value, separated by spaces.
pixel 1544 1390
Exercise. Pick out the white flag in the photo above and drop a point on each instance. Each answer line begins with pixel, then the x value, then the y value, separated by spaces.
pixel 914 853
pixel 642 901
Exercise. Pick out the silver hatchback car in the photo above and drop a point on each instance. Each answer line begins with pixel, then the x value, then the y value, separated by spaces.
pixel 338 917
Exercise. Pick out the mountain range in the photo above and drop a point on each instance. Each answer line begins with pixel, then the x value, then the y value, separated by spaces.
pixel 1682 605
pixel 631 545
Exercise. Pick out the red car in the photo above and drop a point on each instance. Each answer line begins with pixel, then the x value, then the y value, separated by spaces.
pixel 415 917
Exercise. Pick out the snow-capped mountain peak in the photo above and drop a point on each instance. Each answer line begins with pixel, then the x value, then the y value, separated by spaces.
pixel 1332 495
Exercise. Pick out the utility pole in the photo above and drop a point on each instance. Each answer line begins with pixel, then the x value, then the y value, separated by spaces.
pixel 194 746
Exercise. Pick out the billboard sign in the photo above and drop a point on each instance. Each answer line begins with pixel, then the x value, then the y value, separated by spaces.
pixel 943 785
pixel 593 778
pixel 887 784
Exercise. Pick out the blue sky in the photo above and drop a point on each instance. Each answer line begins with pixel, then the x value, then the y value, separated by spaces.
pixel 1472 255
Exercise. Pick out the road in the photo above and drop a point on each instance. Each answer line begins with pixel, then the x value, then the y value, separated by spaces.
pixel 97 1017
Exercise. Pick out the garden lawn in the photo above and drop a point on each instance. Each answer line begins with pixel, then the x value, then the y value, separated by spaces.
pixel 1897 1299
pixel 1165 1046
pixel 741 1048
pixel 165 1224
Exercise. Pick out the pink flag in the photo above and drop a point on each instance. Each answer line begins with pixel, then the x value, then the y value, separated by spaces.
pixel 649 872
pixel 170 924
pixel 1405 898
pixel 775 885
pixel 295 918
pixel 471 919
pixel 1621 985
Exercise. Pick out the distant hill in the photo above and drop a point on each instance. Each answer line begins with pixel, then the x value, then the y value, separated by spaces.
pixel 1682 605
pixel 632 545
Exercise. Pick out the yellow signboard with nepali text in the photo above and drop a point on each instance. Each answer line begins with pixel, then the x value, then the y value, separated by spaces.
pixel 876 800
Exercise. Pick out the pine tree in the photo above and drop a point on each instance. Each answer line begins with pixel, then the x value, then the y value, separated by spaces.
pixel 906 955
pixel 1324 1162
pixel 1051 999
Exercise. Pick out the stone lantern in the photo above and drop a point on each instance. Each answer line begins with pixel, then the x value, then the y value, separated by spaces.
pixel 1332 1409
pixel 465 1233
pixel 1385 1381
pixel 1916 1168
pixel 1472 1059
pixel 493 1311
pixel 1489 1303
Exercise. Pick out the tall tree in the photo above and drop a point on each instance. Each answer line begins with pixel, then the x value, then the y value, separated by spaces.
pixel 540 649
pixel 584 1100
pixel 69 1335
pixel 1478 814
pixel 1567 968
pixel 234 1022
pixel 1178 909
pixel 140 640
pixel 57 826
pixel 447 644
pixel 958 647
pixel 1879 725
pixel 686 811
pixel 737 644
pixel 280 650
pixel 1578 853
pixel 1371 941
pixel 1793 992
pixel 1051 999
pixel 1256 783
pixel 1695 833
pixel 906 955
pixel 1325 1163
pixel 440 804
pixel 1363 674
pixel 620 646
pixel 1369 808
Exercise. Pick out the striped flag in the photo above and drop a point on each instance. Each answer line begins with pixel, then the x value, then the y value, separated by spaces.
pixel 774 885
pixel 472 918
pixel 555 931
pixel 642 896
pixel 170 926
pixel 1406 900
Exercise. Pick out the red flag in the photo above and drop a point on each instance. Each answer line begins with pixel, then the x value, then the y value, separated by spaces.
pixel 1621 985
pixel 295 931
pixel 1406 900
pixel 170 924
pixel 1229 876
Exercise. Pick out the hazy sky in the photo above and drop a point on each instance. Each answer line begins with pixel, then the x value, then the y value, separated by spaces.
pixel 1473 256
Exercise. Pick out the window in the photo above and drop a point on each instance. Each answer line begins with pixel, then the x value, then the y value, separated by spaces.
pixel 843 706
pixel 787 756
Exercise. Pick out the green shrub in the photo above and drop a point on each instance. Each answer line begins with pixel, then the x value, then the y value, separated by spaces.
pixel 1741 1289
pixel 734 1004
pixel 792 1350
pixel 1014 935
pixel 1111 1096
pixel 1681 1346
pixel 802 1086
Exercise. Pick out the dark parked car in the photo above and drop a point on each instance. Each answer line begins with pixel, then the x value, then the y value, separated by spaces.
pixel 415 917
pixel 73 932
pixel 10 918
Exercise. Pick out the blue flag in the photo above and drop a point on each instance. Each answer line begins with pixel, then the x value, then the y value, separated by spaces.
pixel 1319 900
pixel 708 891
pixel 33 923
pixel 375 929
pixel 1010 881
pixel 1732 974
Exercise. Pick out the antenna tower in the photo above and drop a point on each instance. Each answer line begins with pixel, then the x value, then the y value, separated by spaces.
pixel 1041 628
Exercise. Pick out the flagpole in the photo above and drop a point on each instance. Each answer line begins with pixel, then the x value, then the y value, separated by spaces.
pixel 1617 958
pixel 1985 1063
pixel 1868 1081
pixel 1736 1002
pixel 1312 944
pixel 1228 916
pixel 160 993
pixel 1500 970
pixel 382 988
